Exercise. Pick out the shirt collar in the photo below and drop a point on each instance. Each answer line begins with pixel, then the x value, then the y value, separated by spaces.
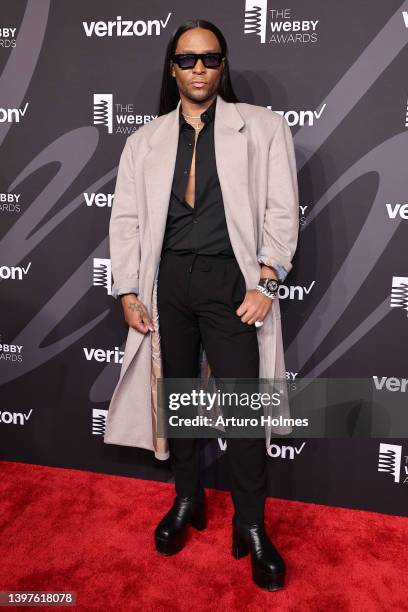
pixel 206 116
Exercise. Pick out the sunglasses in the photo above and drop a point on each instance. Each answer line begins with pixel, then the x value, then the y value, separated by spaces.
pixel 188 60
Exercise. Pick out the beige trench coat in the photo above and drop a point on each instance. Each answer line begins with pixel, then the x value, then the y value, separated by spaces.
pixel 257 172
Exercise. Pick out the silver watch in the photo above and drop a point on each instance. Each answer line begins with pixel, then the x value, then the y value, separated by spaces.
pixel 268 286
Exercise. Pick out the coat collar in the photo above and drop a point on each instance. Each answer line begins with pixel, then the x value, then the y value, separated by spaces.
pixel 227 113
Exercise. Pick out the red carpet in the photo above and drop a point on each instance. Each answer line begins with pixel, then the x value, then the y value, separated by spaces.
pixel 93 534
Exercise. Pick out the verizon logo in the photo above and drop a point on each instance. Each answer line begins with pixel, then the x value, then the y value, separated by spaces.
pixel 395 210
pixel 285 452
pixel 294 292
pixel 101 200
pixel 274 450
pixel 14 418
pixel 302 117
pixel 14 272
pixel 390 383
pixel 123 27
pixel 109 356
pixel 12 115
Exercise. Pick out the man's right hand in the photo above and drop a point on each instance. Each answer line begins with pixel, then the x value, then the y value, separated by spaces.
pixel 136 314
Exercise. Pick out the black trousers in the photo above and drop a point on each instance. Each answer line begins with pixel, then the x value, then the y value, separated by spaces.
pixel 197 296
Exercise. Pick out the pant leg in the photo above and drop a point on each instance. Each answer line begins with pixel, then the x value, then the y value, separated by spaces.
pixel 232 350
pixel 180 345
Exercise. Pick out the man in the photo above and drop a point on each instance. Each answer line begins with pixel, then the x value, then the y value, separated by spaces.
pixel 217 244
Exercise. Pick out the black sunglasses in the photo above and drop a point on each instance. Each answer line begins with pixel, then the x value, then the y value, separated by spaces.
pixel 189 60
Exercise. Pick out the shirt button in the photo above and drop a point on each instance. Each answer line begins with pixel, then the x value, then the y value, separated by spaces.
pixel 185 172
pixel 195 220
pixel 190 144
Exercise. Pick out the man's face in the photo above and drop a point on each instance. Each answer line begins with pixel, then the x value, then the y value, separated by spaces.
pixel 198 40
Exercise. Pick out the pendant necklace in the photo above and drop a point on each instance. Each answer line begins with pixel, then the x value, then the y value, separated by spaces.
pixel 196 127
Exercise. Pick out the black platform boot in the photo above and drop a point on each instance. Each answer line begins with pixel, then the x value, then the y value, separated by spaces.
pixel 268 567
pixel 170 534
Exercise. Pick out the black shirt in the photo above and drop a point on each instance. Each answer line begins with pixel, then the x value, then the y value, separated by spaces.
pixel 200 229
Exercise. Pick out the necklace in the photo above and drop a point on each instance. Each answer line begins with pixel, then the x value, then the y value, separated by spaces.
pixel 196 127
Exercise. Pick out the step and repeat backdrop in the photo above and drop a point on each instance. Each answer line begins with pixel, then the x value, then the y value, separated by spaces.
pixel 338 73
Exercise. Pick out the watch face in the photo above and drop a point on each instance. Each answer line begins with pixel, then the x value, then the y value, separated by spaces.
pixel 272 284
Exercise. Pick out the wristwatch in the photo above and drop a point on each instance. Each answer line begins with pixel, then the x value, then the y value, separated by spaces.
pixel 268 286
pixel 271 284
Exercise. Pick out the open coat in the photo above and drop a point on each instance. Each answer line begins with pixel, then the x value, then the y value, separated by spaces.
pixel 257 172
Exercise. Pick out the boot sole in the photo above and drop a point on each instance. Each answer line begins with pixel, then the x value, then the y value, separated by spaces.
pixel 167 547
pixel 271 582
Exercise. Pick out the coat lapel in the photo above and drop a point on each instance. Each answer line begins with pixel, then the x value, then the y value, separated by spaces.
pixel 231 153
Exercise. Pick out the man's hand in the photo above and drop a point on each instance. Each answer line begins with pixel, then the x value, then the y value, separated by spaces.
pixel 136 314
pixel 255 307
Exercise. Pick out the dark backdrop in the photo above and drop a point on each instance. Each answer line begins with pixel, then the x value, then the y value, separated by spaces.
pixel 338 73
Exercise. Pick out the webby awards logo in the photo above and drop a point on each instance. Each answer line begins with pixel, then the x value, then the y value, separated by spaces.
pixel 392 463
pixel 116 117
pixel 278 26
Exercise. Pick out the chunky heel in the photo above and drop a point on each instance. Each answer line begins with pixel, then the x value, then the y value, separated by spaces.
pixel 198 519
pixel 268 566
pixel 171 533
pixel 240 547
